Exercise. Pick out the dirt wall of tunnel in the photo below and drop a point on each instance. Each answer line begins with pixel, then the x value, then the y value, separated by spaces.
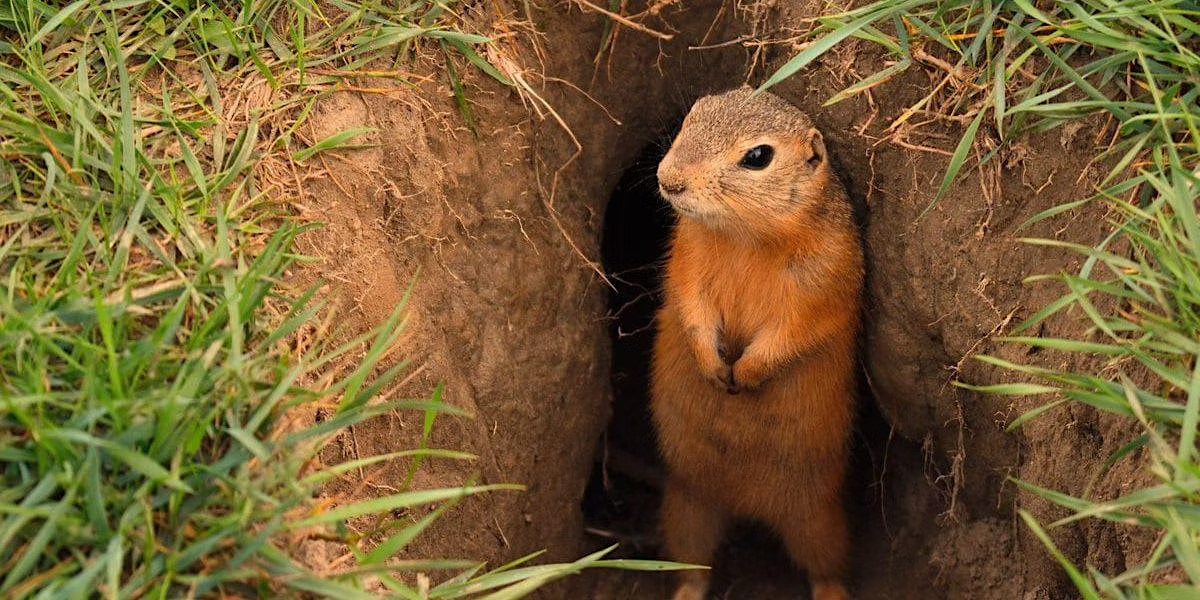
pixel 500 244
pixel 499 236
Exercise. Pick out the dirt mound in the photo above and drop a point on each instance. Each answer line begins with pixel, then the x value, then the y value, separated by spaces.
pixel 499 231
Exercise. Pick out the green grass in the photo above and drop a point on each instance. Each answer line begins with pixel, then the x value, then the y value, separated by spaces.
pixel 149 338
pixel 1020 67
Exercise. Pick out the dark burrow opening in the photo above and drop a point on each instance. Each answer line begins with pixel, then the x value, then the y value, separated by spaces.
pixel 622 497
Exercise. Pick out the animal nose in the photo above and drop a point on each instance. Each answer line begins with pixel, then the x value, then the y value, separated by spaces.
pixel 672 186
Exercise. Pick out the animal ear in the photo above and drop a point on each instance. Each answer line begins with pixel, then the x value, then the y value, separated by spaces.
pixel 816 149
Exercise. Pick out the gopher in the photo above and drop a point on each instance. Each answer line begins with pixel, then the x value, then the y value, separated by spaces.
pixel 753 375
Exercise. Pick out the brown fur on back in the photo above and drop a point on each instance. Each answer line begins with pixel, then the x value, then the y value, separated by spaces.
pixel 753 374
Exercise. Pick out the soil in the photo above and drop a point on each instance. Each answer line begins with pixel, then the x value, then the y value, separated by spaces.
pixel 529 266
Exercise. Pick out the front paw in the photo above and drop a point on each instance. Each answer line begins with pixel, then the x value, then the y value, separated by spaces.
pixel 724 377
pixel 721 377
pixel 746 378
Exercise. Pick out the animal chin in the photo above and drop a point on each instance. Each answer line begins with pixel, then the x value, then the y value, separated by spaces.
pixel 681 205
pixel 688 211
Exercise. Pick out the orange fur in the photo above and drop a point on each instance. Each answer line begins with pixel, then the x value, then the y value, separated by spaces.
pixel 753 369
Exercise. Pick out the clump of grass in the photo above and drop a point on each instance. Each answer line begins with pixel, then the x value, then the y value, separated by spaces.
pixel 1018 67
pixel 149 342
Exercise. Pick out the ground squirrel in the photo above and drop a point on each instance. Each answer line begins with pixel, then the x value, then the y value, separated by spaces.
pixel 753 377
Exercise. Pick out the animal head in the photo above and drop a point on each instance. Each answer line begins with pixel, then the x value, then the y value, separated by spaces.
pixel 746 163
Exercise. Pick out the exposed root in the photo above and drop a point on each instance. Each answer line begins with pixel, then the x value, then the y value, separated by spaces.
pixel 741 39
pixel 607 112
pixel 955 476
pixel 626 21
pixel 957 73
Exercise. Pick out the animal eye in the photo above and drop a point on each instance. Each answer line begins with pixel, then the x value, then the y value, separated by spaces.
pixel 758 157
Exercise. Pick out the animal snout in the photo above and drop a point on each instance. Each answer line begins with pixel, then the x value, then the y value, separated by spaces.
pixel 671 185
